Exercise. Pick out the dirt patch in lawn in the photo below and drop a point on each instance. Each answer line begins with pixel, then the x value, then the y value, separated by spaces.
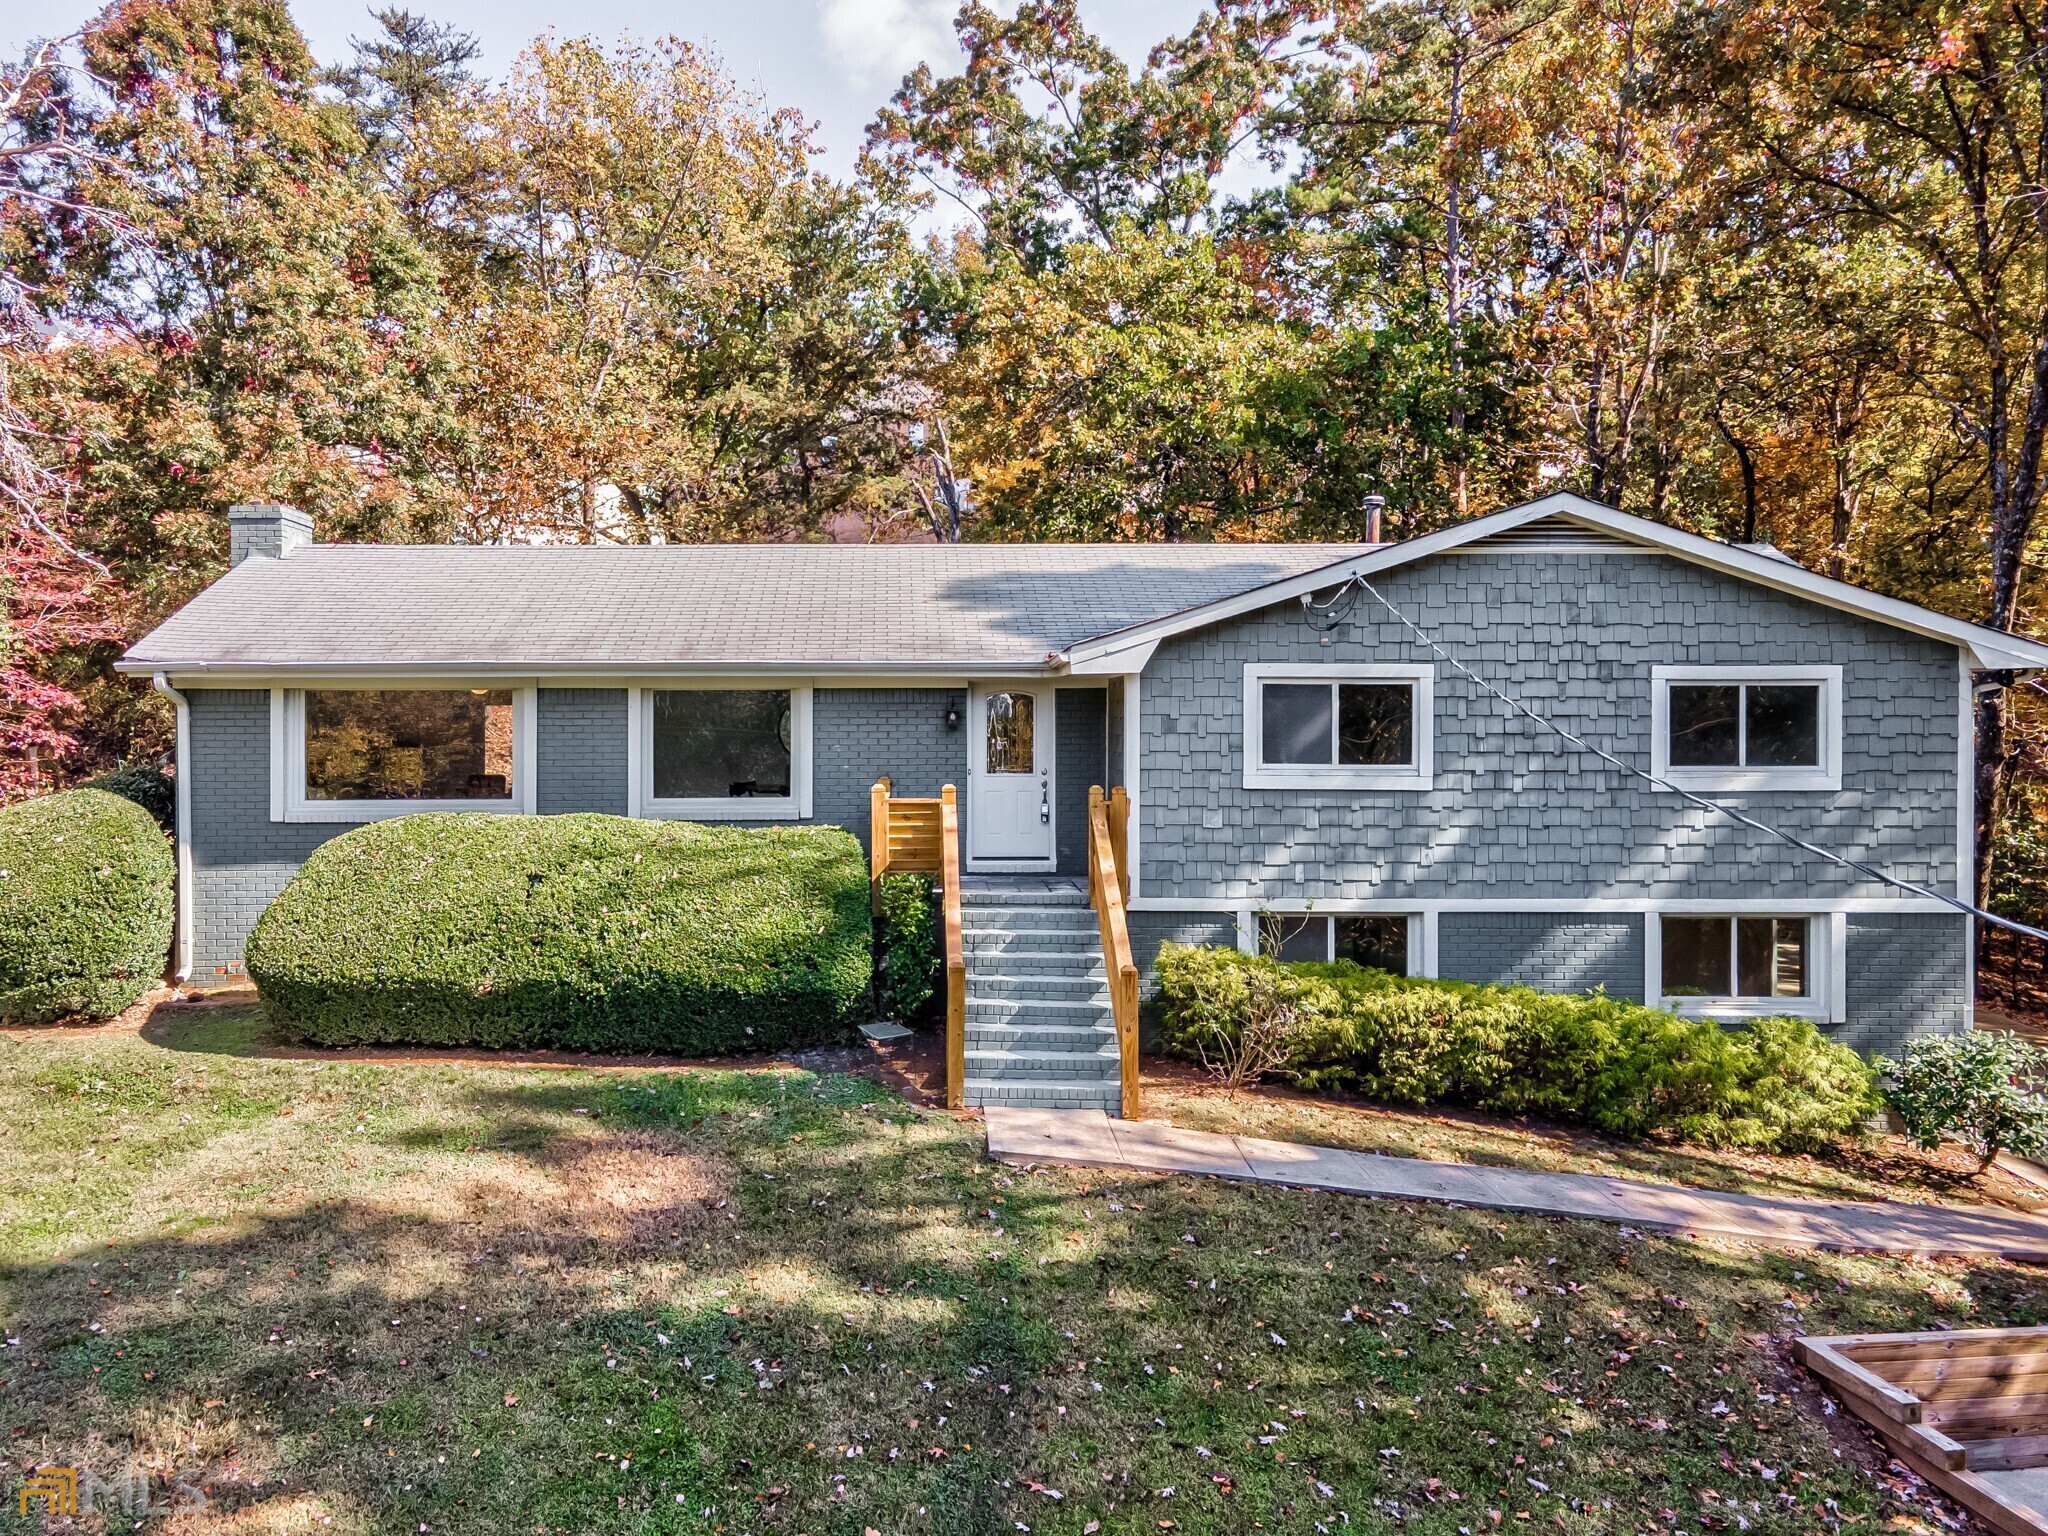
pixel 622 1192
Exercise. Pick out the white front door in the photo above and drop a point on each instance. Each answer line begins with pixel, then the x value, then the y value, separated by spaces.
pixel 1009 781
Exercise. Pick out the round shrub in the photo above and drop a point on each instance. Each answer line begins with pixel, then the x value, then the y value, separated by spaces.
pixel 151 788
pixel 580 932
pixel 1982 1089
pixel 87 902
pixel 1777 1084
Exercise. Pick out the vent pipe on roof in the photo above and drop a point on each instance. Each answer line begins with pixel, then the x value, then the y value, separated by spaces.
pixel 262 529
pixel 1374 506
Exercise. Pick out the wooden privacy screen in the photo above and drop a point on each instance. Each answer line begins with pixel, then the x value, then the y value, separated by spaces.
pixel 1966 1410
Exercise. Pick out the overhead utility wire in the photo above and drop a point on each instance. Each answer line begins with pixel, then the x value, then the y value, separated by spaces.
pixel 1336 611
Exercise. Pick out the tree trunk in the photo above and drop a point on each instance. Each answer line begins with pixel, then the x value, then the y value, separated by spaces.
pixel 1663 465
pixel 1454 280
pixel 1745 460
pixel 1842 513
pixel 1596 437
pixel 1991 765
pixel 1847 401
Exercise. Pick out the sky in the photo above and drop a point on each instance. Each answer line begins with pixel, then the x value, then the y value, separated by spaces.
pixel 837 61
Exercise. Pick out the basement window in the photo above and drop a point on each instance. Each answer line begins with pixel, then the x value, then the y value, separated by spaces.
pixel 1378 941
pixel 1735 959
pixel 1746 964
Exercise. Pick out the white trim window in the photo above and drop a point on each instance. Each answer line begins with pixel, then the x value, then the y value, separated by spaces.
pixel 722 751
pixel 369 754
pixel 1744 964
pixel 1382 941
pixel 1741 728
pixel 1337 727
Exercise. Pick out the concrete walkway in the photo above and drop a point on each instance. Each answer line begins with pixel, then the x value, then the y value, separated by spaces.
pixel 1091 1139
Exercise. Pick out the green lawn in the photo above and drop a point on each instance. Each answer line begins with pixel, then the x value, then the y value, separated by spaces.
pixel 351 1297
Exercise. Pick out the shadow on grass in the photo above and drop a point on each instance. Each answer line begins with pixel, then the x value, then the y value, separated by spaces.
pixel 618 1332
pixel 723 1300
pixel 208 1029
pixel 239 1029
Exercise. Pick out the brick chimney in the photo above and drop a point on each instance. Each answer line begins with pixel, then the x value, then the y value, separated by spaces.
pixel 261 529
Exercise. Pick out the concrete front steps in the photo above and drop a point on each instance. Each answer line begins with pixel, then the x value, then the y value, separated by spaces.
pixel 1040 1034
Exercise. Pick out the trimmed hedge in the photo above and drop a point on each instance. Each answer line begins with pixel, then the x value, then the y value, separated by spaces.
pixel 87 903
pixel 582 932
pixel 907 945
pixel 152 789
pixel 1777 1084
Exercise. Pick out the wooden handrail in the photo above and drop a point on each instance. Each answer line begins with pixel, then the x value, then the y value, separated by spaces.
pixel 922 836
pixel 1107 884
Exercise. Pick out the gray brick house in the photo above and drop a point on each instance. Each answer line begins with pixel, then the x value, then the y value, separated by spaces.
pixel 1313 777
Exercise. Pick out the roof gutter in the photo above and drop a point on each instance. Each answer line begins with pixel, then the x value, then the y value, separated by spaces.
pixel 961 668
pixel 181 943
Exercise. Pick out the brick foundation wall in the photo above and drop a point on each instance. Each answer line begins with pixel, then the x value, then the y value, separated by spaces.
pixel 1909 975
pixel 1551 954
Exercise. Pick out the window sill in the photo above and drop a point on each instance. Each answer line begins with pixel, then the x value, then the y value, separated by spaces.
pixel 1734 1010
pixel 1729 781
pixel 333 811
pixel 1336 778
pixel 734 808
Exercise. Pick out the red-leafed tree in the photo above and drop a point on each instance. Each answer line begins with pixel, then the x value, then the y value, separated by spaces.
pixel 51 592
pixel 212 307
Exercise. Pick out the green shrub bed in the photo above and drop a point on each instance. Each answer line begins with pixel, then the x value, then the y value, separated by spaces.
pixel 87 902
pixel 1628 1070
pixel 906 946
pixel 581 932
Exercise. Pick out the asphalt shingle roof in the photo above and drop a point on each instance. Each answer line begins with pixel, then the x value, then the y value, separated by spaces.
pixel 946 606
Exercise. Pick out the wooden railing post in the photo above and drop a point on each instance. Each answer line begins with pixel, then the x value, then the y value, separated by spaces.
pixel 1106 895
pixel 956 956
pixel 1095 809
pixel 1119 838
pixel 1127 1032
pixel 878 841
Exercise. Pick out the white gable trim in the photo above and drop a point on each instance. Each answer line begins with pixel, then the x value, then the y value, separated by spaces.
pixel 1986 650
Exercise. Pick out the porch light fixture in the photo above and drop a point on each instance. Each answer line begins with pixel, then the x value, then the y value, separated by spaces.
pixel 952 717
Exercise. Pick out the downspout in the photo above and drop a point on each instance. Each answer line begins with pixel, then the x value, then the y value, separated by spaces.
pixel 183 941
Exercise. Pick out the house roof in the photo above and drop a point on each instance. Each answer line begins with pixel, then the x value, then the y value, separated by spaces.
pixel 1565 520
pixel 359 608
pixel 364 609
